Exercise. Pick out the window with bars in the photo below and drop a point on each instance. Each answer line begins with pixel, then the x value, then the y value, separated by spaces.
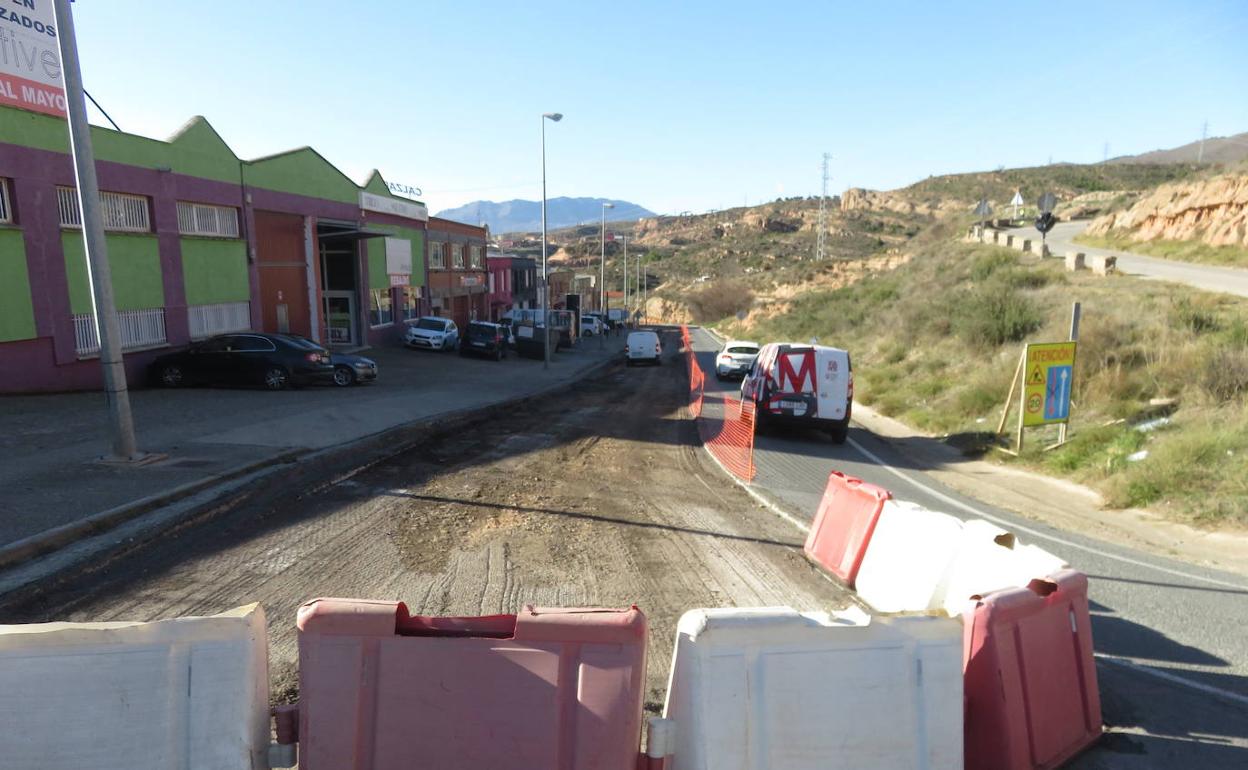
pixel 474 254
pixel 437 259
pixel 6 208
pixel 125 213
pixel 457 256
pixel 204 219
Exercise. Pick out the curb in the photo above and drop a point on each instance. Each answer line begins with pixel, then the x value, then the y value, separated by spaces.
pixel 28 549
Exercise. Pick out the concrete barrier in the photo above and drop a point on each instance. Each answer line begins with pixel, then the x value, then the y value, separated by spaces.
pixel 1007 240
pixel 188 693
pixel 1103 264
pixel 1075 260
pixel 991 236
pixel 1022 244
pixel 1042 250
pixel 774 688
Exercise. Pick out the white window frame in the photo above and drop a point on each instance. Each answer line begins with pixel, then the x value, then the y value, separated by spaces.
pixel 437 257
pixel 6 203
pixel 376 294
pixel 474 257
pixel 121 212
pixel 457 256
pixel 208 220
pixel 412 312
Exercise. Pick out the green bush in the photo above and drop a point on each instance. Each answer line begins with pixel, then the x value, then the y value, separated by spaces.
pixel 992 315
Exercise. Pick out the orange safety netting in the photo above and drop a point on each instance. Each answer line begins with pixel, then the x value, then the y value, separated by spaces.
pixel 725 424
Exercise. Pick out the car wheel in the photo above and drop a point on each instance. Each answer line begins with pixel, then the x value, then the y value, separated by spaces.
pixel 839 434
pixel 172 377
pixel 343 376
pixel 276 378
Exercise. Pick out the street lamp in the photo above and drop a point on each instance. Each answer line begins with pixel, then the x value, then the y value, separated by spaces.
pixel 545 294
pixel 625 238
pixel 602 280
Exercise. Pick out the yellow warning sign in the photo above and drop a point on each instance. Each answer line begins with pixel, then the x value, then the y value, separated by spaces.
pixel 1050 371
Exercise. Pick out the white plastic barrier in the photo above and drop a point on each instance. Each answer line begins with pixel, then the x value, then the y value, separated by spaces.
pixel 924 561
pixel 909 558
pixel 775 688
pixel 190 693
pixel 990 559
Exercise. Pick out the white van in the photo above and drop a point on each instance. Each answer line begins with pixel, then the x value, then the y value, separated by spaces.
pixel 810 385
pixel 643 346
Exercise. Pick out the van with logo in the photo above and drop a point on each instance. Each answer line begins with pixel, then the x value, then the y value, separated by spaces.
pixel 796 384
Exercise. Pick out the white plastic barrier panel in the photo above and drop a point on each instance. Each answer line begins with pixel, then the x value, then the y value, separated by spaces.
pixel 909 558
pixel 190 693
pixel 990 559
pixel 778 689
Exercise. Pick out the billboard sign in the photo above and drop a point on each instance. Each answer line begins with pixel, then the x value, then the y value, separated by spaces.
pixel 30 60
pixel 399 208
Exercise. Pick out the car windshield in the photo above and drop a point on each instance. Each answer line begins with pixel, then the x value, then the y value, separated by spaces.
pixel 478 332
pixel 432 324
pixel 743 349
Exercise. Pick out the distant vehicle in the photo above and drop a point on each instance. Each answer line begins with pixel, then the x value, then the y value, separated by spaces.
pixel 810 385
pixel 350 369
pixel 643 347
pixel 735 359
pixel 482 338
pixel 432 333
pixel 590 326
pixel 273 361
pixel 617 315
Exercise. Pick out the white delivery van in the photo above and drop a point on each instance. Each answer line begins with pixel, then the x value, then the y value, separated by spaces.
pixel 643 346
pixel 810 385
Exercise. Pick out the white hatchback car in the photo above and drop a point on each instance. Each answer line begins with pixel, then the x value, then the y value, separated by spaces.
pixel 643 346
pixel 432 333
pixel 735 358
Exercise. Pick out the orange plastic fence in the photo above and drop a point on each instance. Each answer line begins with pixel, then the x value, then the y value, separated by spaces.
pixel 725 423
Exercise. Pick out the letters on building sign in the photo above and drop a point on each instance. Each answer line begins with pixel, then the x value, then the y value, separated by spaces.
pixel 398 188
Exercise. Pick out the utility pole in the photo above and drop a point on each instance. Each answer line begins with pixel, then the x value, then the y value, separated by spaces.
pixel 1204 134
pixel 625 238
pixel 602 263
pixel 823 201
pixel 99 275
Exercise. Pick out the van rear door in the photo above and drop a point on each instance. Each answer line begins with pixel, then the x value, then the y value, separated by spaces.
pixel 793 375
pixel 832 366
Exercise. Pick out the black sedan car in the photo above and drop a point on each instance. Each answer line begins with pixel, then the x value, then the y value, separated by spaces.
pixel 350 369
pixel 272 361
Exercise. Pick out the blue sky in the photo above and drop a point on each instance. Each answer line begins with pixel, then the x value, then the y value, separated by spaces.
pixel 675 106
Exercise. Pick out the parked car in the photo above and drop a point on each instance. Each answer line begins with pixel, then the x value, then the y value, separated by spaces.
pixel 432 333
pixel 273 361
pixel 482 338
pixel 735 359
pixel 350 369
pixel 644 347
pixel 810 385
pixel 590 326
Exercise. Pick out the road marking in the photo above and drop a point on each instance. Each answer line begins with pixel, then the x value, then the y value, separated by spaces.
pixel 1173 678
pixel 1035 532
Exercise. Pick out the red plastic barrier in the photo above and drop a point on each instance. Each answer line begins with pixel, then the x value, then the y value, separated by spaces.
pixel 1030 682
pixel 548 688
pixel 728 432
pixel 842 528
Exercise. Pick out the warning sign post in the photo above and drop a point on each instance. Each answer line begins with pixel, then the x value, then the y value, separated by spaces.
pixel 1044 381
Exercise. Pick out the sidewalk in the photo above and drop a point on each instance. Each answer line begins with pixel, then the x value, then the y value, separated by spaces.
pixel 51 477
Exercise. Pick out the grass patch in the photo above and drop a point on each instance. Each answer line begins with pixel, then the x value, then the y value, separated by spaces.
pixel 1182 251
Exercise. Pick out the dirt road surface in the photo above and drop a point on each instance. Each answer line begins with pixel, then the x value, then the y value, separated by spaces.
pixel 596 497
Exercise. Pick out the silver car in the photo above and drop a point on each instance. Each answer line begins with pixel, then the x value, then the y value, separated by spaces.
pixel 735 359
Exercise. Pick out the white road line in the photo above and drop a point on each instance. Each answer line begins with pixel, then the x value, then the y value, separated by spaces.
pixel 1174 678
pixel 1034 532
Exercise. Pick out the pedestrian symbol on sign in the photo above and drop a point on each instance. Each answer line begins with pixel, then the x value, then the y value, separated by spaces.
pixel 1036 377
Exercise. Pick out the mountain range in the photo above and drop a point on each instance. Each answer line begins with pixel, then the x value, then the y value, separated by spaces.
pixel 1217 149
pixel 518 216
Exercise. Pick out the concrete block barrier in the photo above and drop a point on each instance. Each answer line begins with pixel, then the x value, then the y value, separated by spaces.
pixel 990 559
pixel 1102 264
pixel 843 525
pixel 1075 260
pixel 1022 244
pixel 1031 692
pixel 547 688
pixel 1006 240
pixel 775 688
pixel 188 693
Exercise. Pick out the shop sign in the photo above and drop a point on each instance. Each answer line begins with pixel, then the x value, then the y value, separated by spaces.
pixel 400 279
pixel 30 60
pixel 398 256
pixel 470 280
pixel 393 206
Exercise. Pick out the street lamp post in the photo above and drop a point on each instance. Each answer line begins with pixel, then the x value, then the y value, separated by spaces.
pixel 545 288
pixel 602 281
pixel 625 238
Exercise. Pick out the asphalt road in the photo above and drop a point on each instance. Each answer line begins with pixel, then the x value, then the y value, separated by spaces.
pixel 1226 280
pixel 1172 653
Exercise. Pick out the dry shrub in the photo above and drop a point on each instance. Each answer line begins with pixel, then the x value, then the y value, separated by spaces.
pixel 719 300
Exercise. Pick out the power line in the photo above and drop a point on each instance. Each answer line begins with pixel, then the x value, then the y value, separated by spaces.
pixel 101 109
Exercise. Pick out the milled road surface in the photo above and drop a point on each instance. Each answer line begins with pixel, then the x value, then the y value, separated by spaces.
pixel 1225 280
pixel 1172 651
pixel 599 496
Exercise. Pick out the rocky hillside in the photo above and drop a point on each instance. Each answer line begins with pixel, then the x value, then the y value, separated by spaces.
pixel 1212 211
